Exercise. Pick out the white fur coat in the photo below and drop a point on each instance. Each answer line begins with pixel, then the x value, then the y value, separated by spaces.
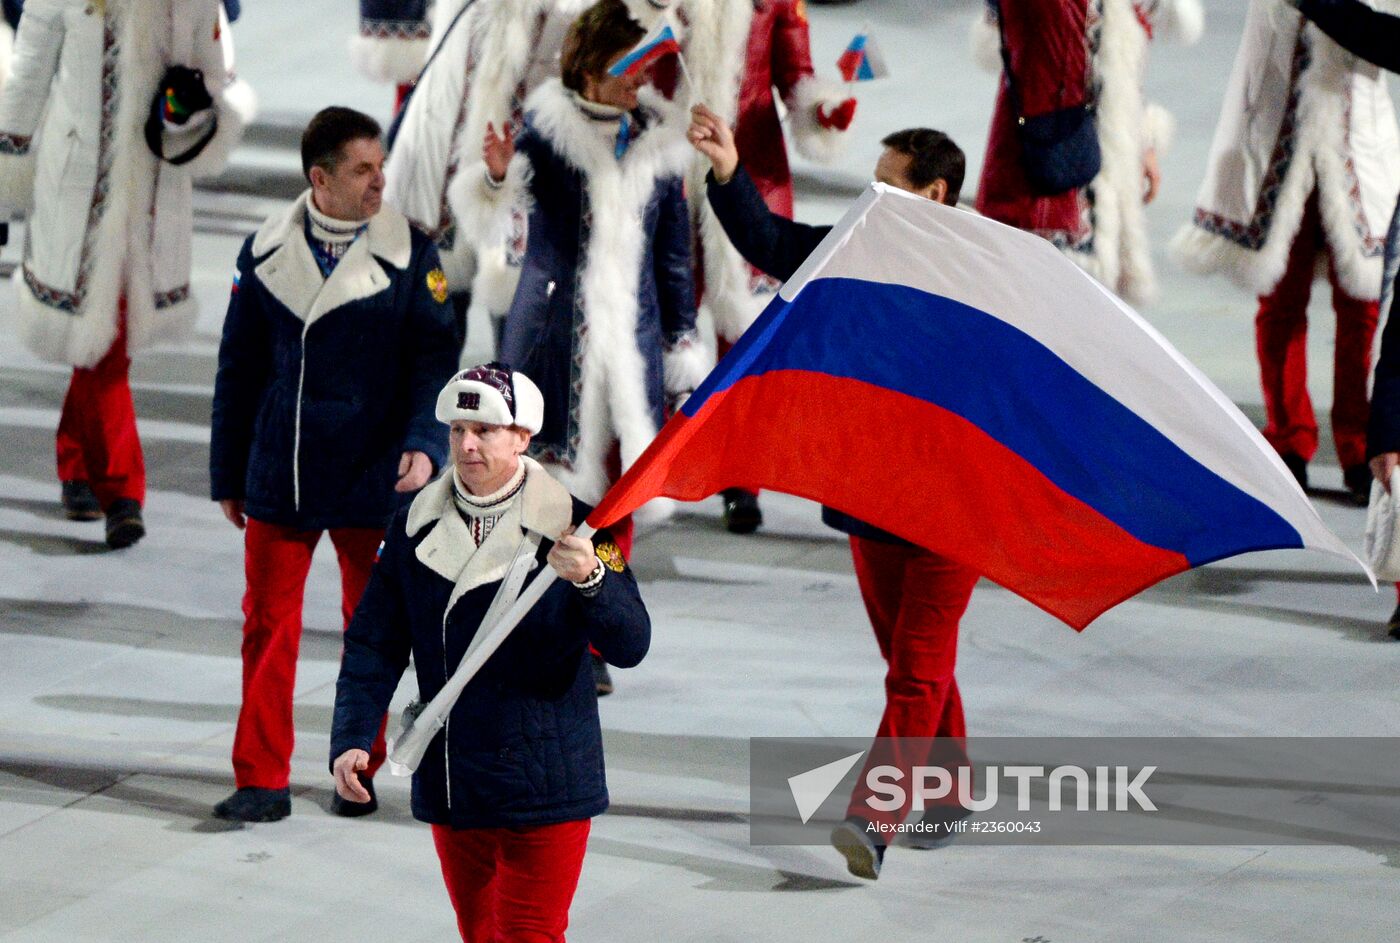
pixel 108 218
pixel 1300 114
pixel 483 74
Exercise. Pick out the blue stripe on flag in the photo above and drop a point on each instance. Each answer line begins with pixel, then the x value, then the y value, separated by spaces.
pixel 622 65
pixel 1019 393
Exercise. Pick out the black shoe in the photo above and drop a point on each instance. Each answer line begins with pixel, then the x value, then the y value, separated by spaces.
pixel 251 804
pixel 1358 481
pixel 124 524
pixel 1393 626
pixel 741 513
pixel 1299 467
pixel 602 678
pixel 345 808
pixel 863 855
pixel 937 829
pixel 79 503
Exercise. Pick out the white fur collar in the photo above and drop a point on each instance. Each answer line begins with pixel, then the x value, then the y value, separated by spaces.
pixel 542 511
pixel 290 272
pixel 546 507
pixel 387 236
pixel 575 137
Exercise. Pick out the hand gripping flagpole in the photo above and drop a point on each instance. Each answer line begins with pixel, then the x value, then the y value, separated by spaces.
pixel 408 749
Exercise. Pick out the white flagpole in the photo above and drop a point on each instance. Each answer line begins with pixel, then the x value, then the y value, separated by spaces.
pixel 409 748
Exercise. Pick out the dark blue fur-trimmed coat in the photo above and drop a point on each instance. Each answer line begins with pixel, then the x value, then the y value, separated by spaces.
pixel 603 318
pixel 323 384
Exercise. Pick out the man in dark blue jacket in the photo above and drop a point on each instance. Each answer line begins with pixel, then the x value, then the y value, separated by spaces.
pixel 337 338
pixel 510 782
pixel 914 598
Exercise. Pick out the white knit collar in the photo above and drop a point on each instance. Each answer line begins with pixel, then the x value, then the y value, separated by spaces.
pixel 488 505
pixel 327 228
pixel 597 111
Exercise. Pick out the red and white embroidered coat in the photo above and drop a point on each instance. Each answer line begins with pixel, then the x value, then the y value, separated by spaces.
pixel 1300 114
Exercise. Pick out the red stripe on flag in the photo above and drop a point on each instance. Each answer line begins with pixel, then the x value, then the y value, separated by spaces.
pixel 909 467
pixel 653 54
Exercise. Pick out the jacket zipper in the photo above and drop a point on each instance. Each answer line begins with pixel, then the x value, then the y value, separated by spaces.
pixel 447 723
pixel 296 436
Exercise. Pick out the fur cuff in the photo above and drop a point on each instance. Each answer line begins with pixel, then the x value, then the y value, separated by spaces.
pixel 984 42
pixel 238 106
pixel 495 283
pixel 389 59
pixel 685 366
pixel 1158 127
pixel 482 209
pixel 17 183
pixel 1205 253
pixel 823 145
pixel 1182 21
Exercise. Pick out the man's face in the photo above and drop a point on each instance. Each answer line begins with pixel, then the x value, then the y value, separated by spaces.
pixel 619 91
pixel 354 191
pixel 484 455
pixel 893 169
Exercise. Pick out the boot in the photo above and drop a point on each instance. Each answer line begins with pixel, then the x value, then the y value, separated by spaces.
pixel 79 503
pixel 251 804
pixel 124 523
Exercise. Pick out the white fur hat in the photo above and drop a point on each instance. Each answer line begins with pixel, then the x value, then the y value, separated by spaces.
pixel 492 393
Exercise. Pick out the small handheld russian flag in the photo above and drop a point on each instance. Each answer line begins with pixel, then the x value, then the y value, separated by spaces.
pixel 659 41
pixel 862 60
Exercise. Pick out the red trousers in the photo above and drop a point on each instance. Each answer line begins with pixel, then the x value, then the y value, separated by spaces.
pixel 512 884
pixel 97 440
pixel 915 599
pixel 277 560
pixel 1281 334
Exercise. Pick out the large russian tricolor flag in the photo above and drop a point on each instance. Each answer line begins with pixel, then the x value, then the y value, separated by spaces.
pixel 962 384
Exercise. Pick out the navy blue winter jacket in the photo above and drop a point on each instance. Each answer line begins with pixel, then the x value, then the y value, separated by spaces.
pixel 324 384
pixel 523 745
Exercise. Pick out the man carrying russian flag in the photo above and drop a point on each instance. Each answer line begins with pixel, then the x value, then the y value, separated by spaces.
pixel 915 598
pixel 1035 429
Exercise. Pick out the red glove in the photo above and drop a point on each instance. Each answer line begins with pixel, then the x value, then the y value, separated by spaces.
pixel 838 118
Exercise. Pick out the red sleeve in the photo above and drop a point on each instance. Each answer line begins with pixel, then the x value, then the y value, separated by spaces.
pixel 791 49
